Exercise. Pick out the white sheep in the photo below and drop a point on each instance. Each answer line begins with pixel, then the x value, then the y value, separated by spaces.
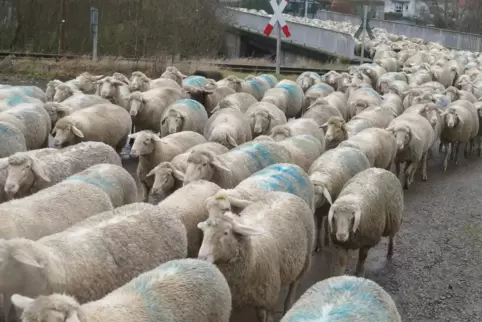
pixel 31 91
pixel 321 111
pixel 183 115
pixel 74 103
pixel 255 87
pixel 27 174
pixel 304 149
pixel 50 89
pixel 13 140
pixel 107 123
pixel 8 103
pixel 346 298
pixel 173 73
pixel 369 207
pixel 209 97
pixel 147 108
pixel 90 259
pixel 455 94
pixel 275 250
pixel 270 79
pixel 85 82
pixel 317 91
pixel 307 79
pixel 63 91
pixel 263 116
pixel 296 127
pixel 165 286
pixel 241 101
pixel 123 78
pixel 114 90
pixel 140 82
pixel 329 173
pixel 361 99
pixel 287 96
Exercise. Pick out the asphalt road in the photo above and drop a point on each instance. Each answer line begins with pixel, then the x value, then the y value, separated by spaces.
pixel 435 273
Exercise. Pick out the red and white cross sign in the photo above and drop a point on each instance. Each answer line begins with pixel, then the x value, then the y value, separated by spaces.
pixel 278 18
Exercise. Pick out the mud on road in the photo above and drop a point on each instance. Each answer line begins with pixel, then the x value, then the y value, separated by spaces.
pixel 436 271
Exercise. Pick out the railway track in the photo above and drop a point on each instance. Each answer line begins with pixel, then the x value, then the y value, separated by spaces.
pixel 233 67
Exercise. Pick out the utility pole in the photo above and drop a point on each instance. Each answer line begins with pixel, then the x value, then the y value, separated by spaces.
pixel 62 27
pixel 306 8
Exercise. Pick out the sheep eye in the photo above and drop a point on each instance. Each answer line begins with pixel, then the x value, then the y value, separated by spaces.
pixel 145 143
pixel 226 233
pixel 205 164
pixel 353 213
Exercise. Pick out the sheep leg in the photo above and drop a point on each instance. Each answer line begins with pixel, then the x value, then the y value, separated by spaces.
pixel 457 153
pixel 447 153
pixel 327 231
pixel 390 247
pixel 262 315
pixel 479 148
pixel 424 166
pixel 319 224
pixel 397 169
pixel 409 170
pixel 441 147
pixel 360 266
pixel 291 294
pixel 342 254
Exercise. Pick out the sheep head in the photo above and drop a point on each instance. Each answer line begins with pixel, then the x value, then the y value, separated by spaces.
pixel 136 103
pixel 202 165
pixel 108 87
pixel 431 112
pixel 403 135
pixel 66 308
pixel 87 82
pixel 335 131
pixel 121 77
pixel 172 121
pixel 281 132
pixel 50 90
pixel 224 135
pixel 66 132
pixel 451 118
pixel 144 143
pixel 261 120
pixel 347 215
pixel 165 175
pixel 139 82
pixel 62 92
pixel 23 171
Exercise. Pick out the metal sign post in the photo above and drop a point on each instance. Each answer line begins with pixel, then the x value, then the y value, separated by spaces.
pixel 278 18
pixel 94 30
pixel 364 28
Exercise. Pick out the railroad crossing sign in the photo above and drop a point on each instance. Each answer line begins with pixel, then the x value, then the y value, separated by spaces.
pixel 277 18
pixel 365 20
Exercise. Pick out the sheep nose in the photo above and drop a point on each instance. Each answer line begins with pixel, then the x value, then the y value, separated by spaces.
pixel 56 143
pixel 172 130
pixel 133 152
pixel 342 236
pixel 11 188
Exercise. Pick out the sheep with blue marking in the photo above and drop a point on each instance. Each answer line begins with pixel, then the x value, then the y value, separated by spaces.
pixel 271 80
pixel 209 96
pixel 344 298
pixel 361 99
pixel 195 81
pixel 141 83
pixel 229 169
pixel 263 116
pixel 32 120
pixel 152 150
pixel 308 79
pixel 284 177
pixel 240 101
pixel 267 246
pixel 369 207
pixel 31 91
pixel 287 96
pixel 329 173
pixel 442 101
pixel 183 115
pixel 13 140
pixel 317 91
pixel 296 127
pixel 173 73
pixel 168 176
pixel 94 257
pixel 190 213
pixel 28 174
pixel 8 103
pixel 255 87
pixel 155 295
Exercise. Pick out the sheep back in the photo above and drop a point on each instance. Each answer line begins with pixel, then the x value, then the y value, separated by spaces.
pixel 304 149
pixel 13 140
pixel 241 101
pixel 296 97
pixel 321 113
pixel 228 122
pixel 193 113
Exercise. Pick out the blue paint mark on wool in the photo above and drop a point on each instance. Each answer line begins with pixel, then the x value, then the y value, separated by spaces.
pixel 323 87
pixel 191 104
pixel 268 78
pixel 27 91
pixel 16 100
pixel 93 179
pixel 198 81
pixel 4 129
pixel 290 88
pixel 258 152
pixel 256 85
pixel 370 90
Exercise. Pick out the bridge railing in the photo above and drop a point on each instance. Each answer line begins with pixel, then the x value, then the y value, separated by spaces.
pixel 336 43
pixel 451 39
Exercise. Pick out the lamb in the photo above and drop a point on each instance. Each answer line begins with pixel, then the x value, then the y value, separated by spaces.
pixel 455 94
pixel 345 297
pixel 229 127
pixel 317 91
pixel 107 123
pixel 173 73
pixel 190 213
pixel 92 258
pixel 13 140
pixel 166 284
pixel 241 101
pixel 27 174
pixel 362 98
pixel 460 126
pixel 168 176
pixel 183 115
pixel 276 250
pixel 114 90
pixel 282 177
pixel 329 173
pixel 212 74
pixel 147 108
pixel 414 136
pixel 152 150
pixel 297 127
pixel 369 207
pixel 254 87
pixel 209 98
pixel 378 145
pixel 307 79
pixel 287 96
pixel 229 169
pixel 263 116
pixel 139 82
pixel 321 111
pixel 28 120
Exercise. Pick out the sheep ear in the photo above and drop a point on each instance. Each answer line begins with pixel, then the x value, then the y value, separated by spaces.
pixel 414 135
pixel 231 140
pixel 178 175
pixel 324 126
pixel 239 203
pixel 220 164
pixel 72 317
pixel 38 167
pixel 151 173
pixel 327 195
pixel 460 119
pixel 26 259
pixel 202 225
pixel 21 302
pixel 246 230
pixel 54 130
pixel 61 108
pixel 77 132
pixel 96 78
pixel 132 136
pixel 357 220
pixel 330 219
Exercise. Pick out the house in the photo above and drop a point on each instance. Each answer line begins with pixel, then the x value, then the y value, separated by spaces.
pixel 405 8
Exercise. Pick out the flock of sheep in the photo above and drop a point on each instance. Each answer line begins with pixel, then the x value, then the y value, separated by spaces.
pixel 247 177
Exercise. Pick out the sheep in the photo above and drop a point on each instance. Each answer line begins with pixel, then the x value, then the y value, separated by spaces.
pixel 388 78
pixel 166 174
pixel 85 82
pixel 183 115
pixel 455 94
pixel 296 127
pixel 360 99
pixel 270 79
pixel 369 207
pixel 331 78
pixel 229 169
pixel 152 150
pixel 288 96
pixel 372 70
pixel 123 78
pixel 460 126
pixel 440 100
pixel 13 101
pixel 394 102
pixel 454 68
pixel 395 86
pixel 57 111
pixel 190 213
pixel 414 136
pixel 139 82
pixel 107 123
pixel 165 286
pixel 114 90
pixel 307 79
pixel 27 174
pixel 92 258
pixel 378 116
pixel 442 75
pixel 390 64
pixel 28 120
pixel 229 127
pixel 316 91
pixel 410 95
pixel 304 149
pixel 255 87
pixel 212 74
pixel 335 100
pixel 378 145
pixel 50 89
pixel 418 78
pixel 147 108
pixel 31 91
pixel 283 177
pixel 195 81
pixel 63 92
pixel 241 101
pixel 434 87
pixel 346 298
pixel 209 98
pixel 275 250
pixel 321 111
pixel 173 73
pixel 13 140
pixel 263 116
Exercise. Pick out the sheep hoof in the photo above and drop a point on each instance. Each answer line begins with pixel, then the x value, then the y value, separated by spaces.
pixel 424 178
